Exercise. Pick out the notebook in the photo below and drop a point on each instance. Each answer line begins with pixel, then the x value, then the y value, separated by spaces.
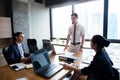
pixel 43 66
pixel 19 66
pixel 58 49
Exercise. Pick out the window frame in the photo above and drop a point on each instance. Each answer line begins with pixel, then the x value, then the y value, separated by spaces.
pixel 105 22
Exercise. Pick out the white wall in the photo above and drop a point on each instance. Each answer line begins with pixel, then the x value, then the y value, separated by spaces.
pixel 39 22
pixel 32 19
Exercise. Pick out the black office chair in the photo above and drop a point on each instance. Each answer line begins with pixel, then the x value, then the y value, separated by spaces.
pixel 5 54
pixel 47 44
pixel 40 51
pixel 116 74
pixel 32 45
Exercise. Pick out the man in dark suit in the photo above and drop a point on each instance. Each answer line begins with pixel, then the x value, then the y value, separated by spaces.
pixel 16 50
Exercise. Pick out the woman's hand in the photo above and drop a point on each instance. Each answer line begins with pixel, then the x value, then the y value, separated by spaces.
pixel 71 68
pixel 68 67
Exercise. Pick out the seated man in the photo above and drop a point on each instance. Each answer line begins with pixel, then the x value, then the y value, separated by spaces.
pixel 16 50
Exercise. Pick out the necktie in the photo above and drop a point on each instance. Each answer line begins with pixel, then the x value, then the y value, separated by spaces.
pixel 74 33
pixel 21 51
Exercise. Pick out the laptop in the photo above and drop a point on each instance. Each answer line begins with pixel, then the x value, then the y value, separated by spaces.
pixel 58 49
pixel 43 66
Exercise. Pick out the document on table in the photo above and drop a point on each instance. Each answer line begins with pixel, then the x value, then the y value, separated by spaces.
pixel 19 66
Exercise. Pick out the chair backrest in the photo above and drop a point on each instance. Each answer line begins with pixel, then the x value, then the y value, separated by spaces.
pixel 5 53
pixel 32 45
pixel 116 74
pixel 46 44
pixel 40 51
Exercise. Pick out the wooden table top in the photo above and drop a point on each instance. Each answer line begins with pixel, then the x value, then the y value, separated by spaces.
pixel 6 73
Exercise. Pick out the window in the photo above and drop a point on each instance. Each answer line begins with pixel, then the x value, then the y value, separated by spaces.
pixel 114 53
pixel 114 19
pixel 61 21
pixel 91 17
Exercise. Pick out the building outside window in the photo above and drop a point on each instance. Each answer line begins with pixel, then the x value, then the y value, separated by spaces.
pixel 91 17
pixel 61 20
pixel 113 19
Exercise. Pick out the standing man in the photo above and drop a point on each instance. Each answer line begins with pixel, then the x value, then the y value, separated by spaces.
pixel 16 50
pixel 76 33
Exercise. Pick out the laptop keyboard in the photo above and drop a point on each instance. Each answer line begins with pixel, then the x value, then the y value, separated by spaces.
pixel 52 69
pixel 48 69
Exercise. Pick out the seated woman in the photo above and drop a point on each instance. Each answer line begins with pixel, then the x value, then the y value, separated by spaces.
pixel 101 66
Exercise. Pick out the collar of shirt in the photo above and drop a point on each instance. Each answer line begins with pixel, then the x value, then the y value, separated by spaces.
pixel 19 44
pixel 76 24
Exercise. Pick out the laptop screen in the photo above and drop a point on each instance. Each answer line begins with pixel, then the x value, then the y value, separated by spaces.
pixel 59 49
pixel 40 61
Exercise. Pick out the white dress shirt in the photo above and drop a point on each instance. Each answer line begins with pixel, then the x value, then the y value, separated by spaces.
pixel 79 31
pixel 21 50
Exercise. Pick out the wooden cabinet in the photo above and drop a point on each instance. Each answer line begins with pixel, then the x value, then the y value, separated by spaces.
pixel 5 27
pixel 5 32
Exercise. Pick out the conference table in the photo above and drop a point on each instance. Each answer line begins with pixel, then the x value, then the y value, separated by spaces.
pixel 6 73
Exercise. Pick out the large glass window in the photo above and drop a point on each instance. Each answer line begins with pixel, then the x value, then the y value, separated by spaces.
pixel 61 20
pixel 91 17
pixel 114 19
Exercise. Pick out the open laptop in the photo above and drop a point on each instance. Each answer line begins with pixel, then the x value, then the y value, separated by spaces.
pixel 43 66
pixel 58 49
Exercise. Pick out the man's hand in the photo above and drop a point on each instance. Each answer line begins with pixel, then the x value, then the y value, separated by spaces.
pixel 81 49
pixel 66 47
pixel 25 60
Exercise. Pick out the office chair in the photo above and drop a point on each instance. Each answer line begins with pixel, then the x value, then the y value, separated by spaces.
pixel 5 54
pixel 32 45
pixel 46 44
pixel 116 74
pixel 40 51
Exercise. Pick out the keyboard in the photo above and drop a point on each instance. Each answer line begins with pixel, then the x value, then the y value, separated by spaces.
pixel 51 70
